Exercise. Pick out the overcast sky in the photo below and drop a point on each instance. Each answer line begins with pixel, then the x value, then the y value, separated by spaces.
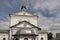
pixel 47 10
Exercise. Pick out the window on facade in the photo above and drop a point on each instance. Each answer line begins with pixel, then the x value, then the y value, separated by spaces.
pixel 42 38
pixel 4 38
pixel 25 38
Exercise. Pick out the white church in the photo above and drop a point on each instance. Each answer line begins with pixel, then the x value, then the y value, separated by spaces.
pixel 23 26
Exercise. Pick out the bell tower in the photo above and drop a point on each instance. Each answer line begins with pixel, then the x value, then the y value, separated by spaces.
pixel 24 15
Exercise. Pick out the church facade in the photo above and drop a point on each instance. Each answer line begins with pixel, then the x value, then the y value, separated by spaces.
pixel 23 26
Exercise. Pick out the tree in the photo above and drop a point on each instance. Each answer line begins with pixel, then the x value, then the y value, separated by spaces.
pixel 50 36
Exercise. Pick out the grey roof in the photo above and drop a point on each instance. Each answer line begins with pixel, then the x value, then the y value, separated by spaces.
pixel 4 31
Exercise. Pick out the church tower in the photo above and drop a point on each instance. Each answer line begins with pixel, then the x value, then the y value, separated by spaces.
pixel 25 21
pixel 23 16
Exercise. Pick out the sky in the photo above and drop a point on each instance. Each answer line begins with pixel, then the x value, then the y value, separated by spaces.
pixel 47 10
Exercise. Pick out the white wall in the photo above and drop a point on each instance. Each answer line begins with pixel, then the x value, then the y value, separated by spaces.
pixel 43 35
pixel 15 19
pixel 18 17
pixel 4 35
pixel 35 30
pixel 12 32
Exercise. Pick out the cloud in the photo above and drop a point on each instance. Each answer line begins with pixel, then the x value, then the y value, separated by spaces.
pixel 50 4
pixel 4 25
pixel 8 5
pixel 4 21
pixel 49 12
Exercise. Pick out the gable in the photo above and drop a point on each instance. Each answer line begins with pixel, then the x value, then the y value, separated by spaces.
pixel 24 24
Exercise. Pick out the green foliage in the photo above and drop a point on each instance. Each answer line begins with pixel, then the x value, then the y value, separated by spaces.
pixel 50 36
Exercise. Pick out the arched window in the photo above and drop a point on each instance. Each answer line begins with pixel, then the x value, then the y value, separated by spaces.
pixel 25 38
pixel 4 38
pixel 42 38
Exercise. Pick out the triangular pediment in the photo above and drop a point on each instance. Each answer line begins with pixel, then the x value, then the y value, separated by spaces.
pixel 24 24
